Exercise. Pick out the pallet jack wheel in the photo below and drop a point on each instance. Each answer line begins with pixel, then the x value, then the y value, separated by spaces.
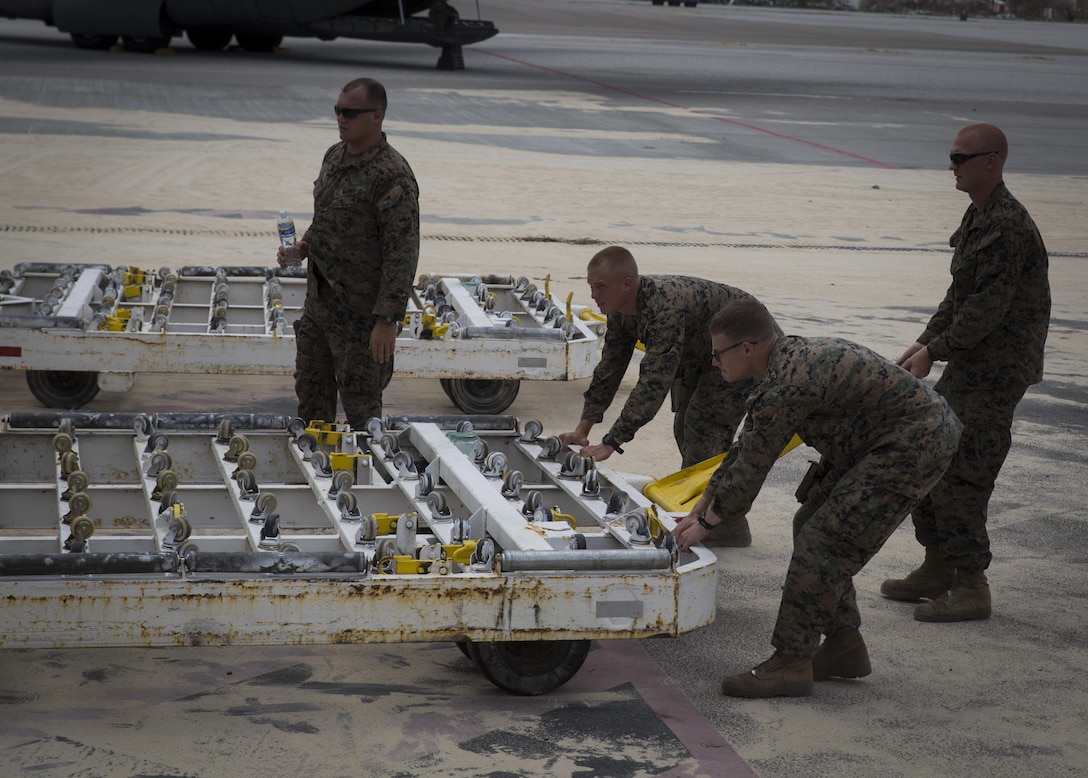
pixel 528 667
pixel 67 389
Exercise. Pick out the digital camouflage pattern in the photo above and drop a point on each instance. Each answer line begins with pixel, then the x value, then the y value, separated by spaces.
pixel 672 319
pixel 363 254
pixel 889 435
pixel 991 329
pixel 992 325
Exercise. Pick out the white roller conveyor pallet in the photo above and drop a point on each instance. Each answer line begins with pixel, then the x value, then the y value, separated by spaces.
pixel 480 335
pixel 232 529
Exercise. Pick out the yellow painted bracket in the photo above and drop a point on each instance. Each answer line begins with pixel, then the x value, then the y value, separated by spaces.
pixel 387 522
pixel 350 462
pixel 461 554
pixel 118 322
pixel 325 432
pixel 680 491
pixel 406 565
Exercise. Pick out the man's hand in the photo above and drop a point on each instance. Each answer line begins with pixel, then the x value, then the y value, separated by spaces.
pixel 916 361
pixel 291 256
pixel 575 438
pixel 383 340
pixel 599 452
pixel 689 531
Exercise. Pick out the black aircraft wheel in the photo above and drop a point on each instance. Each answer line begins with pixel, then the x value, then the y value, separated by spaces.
pixel 529 667
pixel 478 395
pixel 97 42
pixel 66 389
pixel 209 38
pixel 144 45
pixel 261 43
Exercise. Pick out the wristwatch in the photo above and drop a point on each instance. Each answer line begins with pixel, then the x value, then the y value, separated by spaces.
pixel 390 319
pixel 609 440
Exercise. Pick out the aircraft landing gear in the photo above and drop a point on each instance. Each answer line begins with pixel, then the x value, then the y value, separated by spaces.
pixel 452 58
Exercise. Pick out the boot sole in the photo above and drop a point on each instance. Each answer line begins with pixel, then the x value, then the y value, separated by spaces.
pixel 949 618
pixel 845 675
pixel 803 689
pixel 911 596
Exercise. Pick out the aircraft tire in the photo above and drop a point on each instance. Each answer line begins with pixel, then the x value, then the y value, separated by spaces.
pixel 259 43
pixel 96 42
pixel 209 38
pixel 144 45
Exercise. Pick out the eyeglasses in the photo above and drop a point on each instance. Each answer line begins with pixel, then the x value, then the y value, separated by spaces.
pixel 959 159
pixel 716 356
pixel 351 113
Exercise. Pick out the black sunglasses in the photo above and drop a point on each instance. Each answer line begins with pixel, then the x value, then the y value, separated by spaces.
pixel 351 113
pixel 959 159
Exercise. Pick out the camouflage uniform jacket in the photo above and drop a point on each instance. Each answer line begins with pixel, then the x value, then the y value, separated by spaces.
pixel 992 324
pixel 672 318
pixel 364 239
pixel 848 403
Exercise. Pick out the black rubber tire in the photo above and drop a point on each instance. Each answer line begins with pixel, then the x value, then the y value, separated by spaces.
pixel 529 667
pixel 144 45
pixel 67 389
pixel 95 42
pixel 258 43
pixel 481 395
pixel 209 38
pixel 445 384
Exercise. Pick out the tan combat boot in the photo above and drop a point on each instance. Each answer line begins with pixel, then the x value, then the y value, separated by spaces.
pixel 931 580
pixel 736 534
pixel 780 676
pixel 841 656
pixel 968 600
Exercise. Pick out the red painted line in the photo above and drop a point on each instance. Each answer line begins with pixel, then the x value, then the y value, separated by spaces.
pixel 637 96
pixel 618 662
pixel 11 351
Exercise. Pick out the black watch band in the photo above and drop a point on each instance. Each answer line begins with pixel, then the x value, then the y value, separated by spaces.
pixel 390 319
pixel 701 518
pixel 608 440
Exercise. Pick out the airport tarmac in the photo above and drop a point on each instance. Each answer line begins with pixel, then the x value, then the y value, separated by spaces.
pixel 829 202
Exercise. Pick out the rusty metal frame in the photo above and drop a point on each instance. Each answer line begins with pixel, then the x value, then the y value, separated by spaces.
pixel 597 563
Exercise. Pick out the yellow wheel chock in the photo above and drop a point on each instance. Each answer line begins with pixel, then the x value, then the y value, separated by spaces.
pixel 678 493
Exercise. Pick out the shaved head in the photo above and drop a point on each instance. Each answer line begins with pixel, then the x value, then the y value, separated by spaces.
pixel 987 137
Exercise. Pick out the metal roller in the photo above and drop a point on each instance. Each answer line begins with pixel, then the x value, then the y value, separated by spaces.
pixel 604 559
pixel 510 333
pixel 286 562
pixel 88 564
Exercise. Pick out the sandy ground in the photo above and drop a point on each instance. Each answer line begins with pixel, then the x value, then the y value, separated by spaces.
pixel 851 252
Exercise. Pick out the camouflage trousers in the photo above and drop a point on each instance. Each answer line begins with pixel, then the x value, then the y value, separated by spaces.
pixel 845 527
pixel 333 356
pixel 708 412
pixel 953 515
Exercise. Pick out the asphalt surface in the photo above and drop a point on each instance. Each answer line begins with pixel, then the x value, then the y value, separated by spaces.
pixel 582 122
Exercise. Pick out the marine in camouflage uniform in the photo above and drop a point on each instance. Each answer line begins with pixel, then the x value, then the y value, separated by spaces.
pixel 890 436
pixel 990 329
pixel 363 248
pixel 669 315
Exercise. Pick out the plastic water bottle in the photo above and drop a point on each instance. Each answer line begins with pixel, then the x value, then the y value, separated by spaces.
pixel 286 228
